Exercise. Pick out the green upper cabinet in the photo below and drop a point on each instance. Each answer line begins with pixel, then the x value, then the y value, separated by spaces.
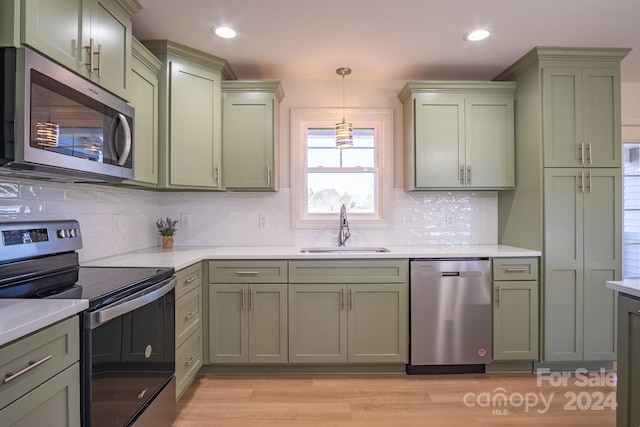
pixel 90 37
pixel 190 115
pixel 583 212
pixel 251 111
pixel 143 96
pixel 581 116
pixel 458 135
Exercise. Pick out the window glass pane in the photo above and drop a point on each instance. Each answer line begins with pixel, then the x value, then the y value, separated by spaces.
pixel 322 151
pixel 631 200
pixel 352 157
pixel 327 191
pixel 318 157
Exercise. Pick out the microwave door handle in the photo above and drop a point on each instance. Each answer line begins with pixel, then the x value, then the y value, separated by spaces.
pixel 122 157
pixel 137 300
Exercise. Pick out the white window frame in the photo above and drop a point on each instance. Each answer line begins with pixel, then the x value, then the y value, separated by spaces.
pixel 378 119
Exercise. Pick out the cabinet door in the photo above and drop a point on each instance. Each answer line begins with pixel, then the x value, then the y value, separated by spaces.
pixel 268 323
pixel 317 323
pixel 195 127
pixel 55 28
pixel 111 33
pixel 143 95
pixel 378 318
pixel 628 387
pixel 228 323
pixel 248 135
pixel 439 140
pixel 54 403
pixel 489 142
pixel 602 260
pixel 564 268
pixel 562 117
pixel 602 133
pixel 515 320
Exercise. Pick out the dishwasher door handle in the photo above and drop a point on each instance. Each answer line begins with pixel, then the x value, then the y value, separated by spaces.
pixel 450 274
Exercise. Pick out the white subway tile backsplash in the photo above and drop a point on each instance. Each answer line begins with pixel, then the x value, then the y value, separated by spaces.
pixel 115 220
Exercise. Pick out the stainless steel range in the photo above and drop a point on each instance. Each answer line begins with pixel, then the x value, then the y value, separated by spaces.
pixel 128 331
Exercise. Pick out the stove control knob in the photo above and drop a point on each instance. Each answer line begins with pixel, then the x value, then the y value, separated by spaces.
pixel 72 232
pixel 60 234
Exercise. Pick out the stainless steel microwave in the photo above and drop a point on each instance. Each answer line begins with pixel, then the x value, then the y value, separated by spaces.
pixel 58 126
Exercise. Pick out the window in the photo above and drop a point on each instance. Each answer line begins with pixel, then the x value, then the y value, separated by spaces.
pixel 324 177
pixel 631 221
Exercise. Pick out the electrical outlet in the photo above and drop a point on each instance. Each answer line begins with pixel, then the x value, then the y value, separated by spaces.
pixel 263 220
pixel 185 220
pixel 451 220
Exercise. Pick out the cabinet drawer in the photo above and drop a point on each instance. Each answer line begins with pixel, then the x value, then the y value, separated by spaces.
pixel 247 271
pixel 188 361
pixel 188 278
pixel 515 268
pixel 349 271
pixel 57 346
pixel 188 315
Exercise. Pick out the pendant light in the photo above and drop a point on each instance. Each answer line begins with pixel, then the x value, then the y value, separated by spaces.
pixel 344 130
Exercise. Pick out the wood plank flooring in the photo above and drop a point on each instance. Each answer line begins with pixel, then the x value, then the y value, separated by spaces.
pixel 399 401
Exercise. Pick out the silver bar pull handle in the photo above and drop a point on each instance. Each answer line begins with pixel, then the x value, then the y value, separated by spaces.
pixel 581 182
pixel 216 174
pixel 589 183
pixel 191 279
pixel 268 175
pixel 468 174
pixel 99 53
pixel 516 270
pixel 242 301
pixel 351 299
pixel 190 315
pixel 590 154
pixel 498 296
pixel 581 156
pixel 251 298
pixel 32 365
pixel 461 175
pixel 247 273
pixel 89 49
pixel 190 360
pixel 342 299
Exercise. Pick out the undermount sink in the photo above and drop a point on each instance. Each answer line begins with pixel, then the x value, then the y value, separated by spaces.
pixel 344 249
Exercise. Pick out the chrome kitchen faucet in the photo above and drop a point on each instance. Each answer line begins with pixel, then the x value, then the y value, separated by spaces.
pixel 343 234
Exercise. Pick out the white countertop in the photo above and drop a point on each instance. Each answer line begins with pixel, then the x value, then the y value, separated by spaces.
pixel 627 286
pixel 183 256
pixel 20 317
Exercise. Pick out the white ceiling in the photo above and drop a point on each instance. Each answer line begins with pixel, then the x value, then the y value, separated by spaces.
pixel 389 40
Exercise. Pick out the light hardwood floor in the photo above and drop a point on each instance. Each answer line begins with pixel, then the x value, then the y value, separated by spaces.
pixel 398 401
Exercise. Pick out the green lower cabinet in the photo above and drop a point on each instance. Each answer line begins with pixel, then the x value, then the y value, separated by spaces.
pixel 54 403
pixel 628 387
pixel 248 323
pixel 515 320
pixel 356 323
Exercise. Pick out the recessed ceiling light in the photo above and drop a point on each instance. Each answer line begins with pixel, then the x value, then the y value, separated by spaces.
pixel 225 32
pixel 477 35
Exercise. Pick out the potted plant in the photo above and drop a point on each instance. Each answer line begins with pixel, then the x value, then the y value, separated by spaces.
pixel 166 228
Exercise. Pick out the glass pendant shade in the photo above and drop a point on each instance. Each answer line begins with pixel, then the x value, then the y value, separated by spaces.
pixel 344 130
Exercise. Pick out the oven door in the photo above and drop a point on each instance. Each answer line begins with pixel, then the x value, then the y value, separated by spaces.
pixel 129 355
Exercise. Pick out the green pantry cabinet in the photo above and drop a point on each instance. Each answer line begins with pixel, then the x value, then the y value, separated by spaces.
pixel 568 199
pixel 190 116
pixel 628 387
pixel 189 335
pixel 348 311
pixel 49 392
pixel 251 111
pixel 458 135
pixel 90 37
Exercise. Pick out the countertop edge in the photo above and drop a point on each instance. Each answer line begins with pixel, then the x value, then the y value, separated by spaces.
pixel 41 313
pixel 627 286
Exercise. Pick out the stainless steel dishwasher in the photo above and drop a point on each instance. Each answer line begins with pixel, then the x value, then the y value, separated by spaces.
pixel 450 315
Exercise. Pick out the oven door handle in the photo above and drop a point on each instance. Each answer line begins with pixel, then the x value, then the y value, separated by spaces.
pixel 130 303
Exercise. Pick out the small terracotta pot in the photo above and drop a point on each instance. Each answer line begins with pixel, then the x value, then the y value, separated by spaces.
pixel 167 242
